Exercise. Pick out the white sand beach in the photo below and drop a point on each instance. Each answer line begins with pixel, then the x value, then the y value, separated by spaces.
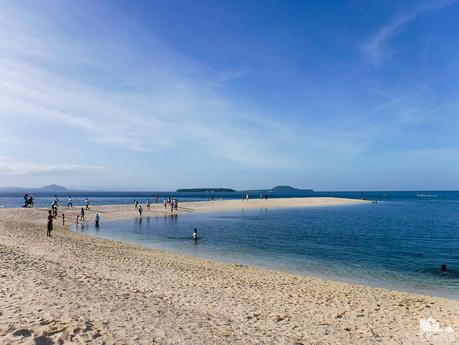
pixel 73 288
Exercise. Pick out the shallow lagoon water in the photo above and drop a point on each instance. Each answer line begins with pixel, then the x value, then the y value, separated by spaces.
pixel 392 244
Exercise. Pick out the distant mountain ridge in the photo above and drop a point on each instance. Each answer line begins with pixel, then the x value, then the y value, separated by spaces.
pixel 55 188
pixel 52 188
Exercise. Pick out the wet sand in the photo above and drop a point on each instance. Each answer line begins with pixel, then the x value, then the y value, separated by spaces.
pixel 73 288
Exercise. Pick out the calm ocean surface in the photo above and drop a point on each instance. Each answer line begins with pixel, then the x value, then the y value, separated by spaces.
pixel 399 243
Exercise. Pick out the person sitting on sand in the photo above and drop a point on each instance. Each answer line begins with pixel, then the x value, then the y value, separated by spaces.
pixel 194 237
pixel 50 223
pixel 82 214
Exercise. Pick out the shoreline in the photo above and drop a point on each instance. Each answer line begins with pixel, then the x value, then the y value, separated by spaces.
pixel 157 294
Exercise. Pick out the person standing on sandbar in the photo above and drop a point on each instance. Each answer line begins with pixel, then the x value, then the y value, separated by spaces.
pixel 140 211
pixel 97 220
pixel 50 223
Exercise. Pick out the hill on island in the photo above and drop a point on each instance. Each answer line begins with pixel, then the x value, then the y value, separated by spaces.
pixel 52 188
pixel 280 189
pixel 288 189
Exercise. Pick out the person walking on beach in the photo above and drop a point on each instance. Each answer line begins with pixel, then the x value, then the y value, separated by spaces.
pixel 56 200
pixel 140 211
pixel 50 223
pixel 82 214
pixel 54 208
pixel 63 219
pixel 148 204
pixel 78 219
pixel 157 198
pixel 86 202
pixel 194 237
pixel 97 220
pixel 70 203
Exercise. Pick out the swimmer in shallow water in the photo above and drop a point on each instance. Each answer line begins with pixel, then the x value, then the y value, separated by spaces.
pixel 195 234
pixel 443 268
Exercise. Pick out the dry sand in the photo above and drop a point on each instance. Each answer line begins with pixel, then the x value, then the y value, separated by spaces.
pixel 73 288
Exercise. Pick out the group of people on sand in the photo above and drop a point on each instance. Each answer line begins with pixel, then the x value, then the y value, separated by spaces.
pixel 52 213
pixel 70 202
pixel 169 202
pixel 172 203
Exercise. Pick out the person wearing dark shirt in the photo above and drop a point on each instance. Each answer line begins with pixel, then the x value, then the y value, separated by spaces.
pixel 50 223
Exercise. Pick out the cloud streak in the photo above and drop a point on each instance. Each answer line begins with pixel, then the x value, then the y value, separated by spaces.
pixel 377 49
pixel 114 97
pixel 11 167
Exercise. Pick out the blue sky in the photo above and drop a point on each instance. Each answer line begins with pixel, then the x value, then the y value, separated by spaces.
pixel 330 95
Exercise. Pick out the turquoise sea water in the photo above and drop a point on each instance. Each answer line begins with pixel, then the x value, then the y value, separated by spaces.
pixel 398 243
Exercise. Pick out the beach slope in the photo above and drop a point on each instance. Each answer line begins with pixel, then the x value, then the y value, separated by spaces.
pixel 73 288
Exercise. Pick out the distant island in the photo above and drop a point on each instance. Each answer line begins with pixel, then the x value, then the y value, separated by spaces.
pixel 204 190
pixel 289 189
pixel 280 189
pixel 276 189
pixel 53 188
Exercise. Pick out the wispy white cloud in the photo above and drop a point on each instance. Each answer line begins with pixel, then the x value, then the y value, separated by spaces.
pixel 377 49
pixel 113 92
pixel 12 167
